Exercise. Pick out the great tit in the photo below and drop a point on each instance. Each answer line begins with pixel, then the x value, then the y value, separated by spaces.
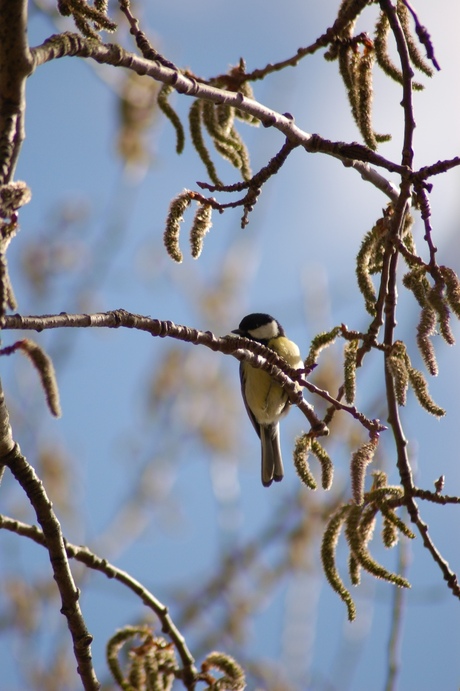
pixel 265 400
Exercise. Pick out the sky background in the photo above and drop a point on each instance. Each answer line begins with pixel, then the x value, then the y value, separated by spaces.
pixel 294 260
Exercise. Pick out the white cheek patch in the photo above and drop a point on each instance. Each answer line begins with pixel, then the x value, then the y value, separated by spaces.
pixel 265 332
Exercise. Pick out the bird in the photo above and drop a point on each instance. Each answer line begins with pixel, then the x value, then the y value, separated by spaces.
pixel 265 400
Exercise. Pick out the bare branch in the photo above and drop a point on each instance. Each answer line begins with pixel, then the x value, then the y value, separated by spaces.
pixel 241 348
pixel 354 155
pixel 423 35
pixel 33 487
pixel 92 561
pixel 258 355
pixel 403 51
pixel 15 67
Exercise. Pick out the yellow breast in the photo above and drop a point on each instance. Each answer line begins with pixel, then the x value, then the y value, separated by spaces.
pixel 267 399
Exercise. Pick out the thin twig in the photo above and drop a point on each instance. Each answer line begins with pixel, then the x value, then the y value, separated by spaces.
pixel 82 639
pixel 92 561
pixel 437 168
pixel 435 497
pixel 397 222
pixel 423 35
pixel 403 52
pixel 357 156
pixel 374 426
pixel 425 209
pixel 241 348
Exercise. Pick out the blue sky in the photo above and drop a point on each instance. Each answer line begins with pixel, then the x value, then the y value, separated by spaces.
pixel 296 260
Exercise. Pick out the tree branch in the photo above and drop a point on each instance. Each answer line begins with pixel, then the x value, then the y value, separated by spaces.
pixel 92 561
pixel 353 155
pixel 241 348
pixel 407 72
pixel 54 541
pixel 15 66
pixel 389 289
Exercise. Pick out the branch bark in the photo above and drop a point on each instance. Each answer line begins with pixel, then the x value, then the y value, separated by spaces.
pixel 242 349
pixel 16 65
pixel 11 457
pixel 92 561
pixel 352 155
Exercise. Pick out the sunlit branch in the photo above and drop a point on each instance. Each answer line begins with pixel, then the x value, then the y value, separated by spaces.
pixel 15 67
pixel 92 561
pixel 54 541
pixel 242 349
pixel 354 155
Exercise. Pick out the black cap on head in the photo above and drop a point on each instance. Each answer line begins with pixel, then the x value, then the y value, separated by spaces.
pixel 256 321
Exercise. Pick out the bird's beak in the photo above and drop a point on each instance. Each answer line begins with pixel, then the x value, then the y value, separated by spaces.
pixel 237 332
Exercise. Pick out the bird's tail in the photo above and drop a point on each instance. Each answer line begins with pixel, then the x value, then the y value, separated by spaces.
pixel 272 463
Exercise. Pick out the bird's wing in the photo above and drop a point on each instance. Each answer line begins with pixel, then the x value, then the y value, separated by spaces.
pixel 255 424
